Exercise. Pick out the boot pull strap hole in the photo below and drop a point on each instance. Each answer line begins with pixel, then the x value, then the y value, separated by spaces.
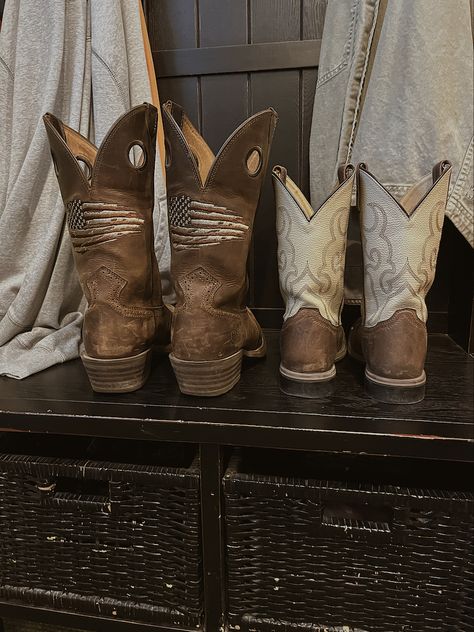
pixel 254 161
pixel 85 165
pixel 137 155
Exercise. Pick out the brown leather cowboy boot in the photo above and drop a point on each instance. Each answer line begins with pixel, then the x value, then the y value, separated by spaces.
pixel 311 255
pixel 109 205
pixel 400 242
pixel 212 202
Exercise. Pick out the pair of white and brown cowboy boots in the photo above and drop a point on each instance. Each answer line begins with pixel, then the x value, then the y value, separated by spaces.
pixel 400 241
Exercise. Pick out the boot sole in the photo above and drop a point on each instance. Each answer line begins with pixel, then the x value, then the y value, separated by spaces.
pixel 210 378
pixel 118 375
pixel 309 385
pixel 393 391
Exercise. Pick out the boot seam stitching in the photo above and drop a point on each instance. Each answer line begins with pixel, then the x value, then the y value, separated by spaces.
pixel 111 300
pixel 220 156
pixel 102 149
pixel 320 320
pixel 387 326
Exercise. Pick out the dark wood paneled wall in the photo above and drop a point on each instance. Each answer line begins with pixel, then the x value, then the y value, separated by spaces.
pixel 282 39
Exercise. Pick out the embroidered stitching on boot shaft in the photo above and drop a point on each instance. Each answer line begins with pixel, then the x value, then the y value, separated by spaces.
pixel 195 224
pixel 94 223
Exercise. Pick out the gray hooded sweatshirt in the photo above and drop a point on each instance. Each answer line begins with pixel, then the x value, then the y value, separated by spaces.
pixel 84 61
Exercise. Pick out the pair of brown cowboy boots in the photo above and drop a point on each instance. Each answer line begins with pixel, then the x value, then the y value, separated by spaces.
pixel 108 194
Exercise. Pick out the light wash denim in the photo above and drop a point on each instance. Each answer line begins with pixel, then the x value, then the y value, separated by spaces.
pixel 418 102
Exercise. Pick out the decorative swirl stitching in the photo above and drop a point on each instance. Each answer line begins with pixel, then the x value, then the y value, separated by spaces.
pixel 320 284
pixel 427 265
pixel 389 282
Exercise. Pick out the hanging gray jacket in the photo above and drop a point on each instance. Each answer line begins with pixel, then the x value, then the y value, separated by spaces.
pixel 61 57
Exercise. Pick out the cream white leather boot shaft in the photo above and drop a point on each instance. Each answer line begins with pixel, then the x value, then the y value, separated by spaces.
pixel 311 255
pixel 400 244
pixel 312 246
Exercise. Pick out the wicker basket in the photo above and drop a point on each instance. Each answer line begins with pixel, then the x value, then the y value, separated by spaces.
pixel 117 537
pixel 32 626
pixel 307 554
pixel 253 624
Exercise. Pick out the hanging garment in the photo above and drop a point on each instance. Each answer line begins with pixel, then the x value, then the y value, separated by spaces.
pixel 395 90
pixel 123 76
pixel 60 57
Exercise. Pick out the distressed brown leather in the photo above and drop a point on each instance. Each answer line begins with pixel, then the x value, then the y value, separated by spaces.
pixel 309 343
pixel 394 348
pixel 110 222
pixel 210 243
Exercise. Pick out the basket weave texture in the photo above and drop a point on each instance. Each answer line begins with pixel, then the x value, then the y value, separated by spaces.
pixel 103 538
pixel 33 626
pixel 306 555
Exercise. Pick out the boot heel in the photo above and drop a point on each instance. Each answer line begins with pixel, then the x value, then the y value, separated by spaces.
pixel 118 375
pixel 307 385
pixel 393 391
pixel 207 378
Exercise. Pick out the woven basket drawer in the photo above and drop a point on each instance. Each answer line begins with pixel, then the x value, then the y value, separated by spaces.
pixel 32 626
pixel 307 554
pixel 117 537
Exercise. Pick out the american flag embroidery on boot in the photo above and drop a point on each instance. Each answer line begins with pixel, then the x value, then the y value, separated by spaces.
pixel 95 223
pixel 195 224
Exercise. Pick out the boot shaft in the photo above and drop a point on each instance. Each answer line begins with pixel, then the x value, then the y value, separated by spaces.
pixel 312 246
pixel 212 202
pixel 109 213
pixel 109 204
pixel 400 243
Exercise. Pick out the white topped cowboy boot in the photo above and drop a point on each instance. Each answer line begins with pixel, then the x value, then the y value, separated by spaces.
pixel 311 255
pixel 400 242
